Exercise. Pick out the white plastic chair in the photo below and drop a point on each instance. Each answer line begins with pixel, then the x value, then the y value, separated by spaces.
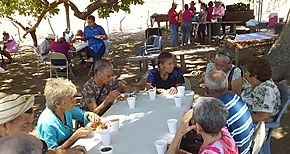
pixel 55 67
pixel 259 137
pixel 40 60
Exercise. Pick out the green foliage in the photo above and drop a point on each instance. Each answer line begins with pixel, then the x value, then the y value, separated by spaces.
pixel 32 8
pixel 121 5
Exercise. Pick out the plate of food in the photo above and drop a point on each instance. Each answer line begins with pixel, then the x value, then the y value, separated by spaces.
pixel 122 97
pixel 99 125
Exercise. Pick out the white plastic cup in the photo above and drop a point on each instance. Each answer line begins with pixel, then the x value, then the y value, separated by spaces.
pixel 105 137
pixel 114 124
pixel 181 90
pixel 178 100
pixel 131 102
pixel 161 146
pixel 106 150
pixel 172 125
pixel 152 94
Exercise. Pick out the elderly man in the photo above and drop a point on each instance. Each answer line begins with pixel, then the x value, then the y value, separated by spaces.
pixel 239 121
pixel 44 47
pixel 223 61
pixel 21 143
pixel 16 115
pixel 209 116
pixel 101 90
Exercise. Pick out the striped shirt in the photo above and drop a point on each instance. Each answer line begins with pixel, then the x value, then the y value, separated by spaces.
pixel 239 122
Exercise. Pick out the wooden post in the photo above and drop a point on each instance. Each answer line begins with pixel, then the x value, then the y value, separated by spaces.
pixel 67 15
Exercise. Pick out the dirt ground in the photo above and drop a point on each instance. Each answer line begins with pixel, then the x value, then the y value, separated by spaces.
pixel 22 76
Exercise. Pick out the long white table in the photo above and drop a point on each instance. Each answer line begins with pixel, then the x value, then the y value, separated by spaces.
pixel 140 127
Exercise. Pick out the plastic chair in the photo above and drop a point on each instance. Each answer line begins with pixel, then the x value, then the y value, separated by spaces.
pixel 39 59
pixel 54 66
pixel 259 137
pixel 155 47
pixel 285 100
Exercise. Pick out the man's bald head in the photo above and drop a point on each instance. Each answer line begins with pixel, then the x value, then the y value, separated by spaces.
pixel 216 81
pixel 20 143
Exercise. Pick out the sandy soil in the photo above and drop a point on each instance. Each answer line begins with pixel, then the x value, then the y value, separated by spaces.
pixel 22 76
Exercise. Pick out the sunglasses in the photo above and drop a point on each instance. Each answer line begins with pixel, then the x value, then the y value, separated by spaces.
pixel 44 147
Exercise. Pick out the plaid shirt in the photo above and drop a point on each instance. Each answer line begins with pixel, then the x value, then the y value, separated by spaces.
pixel 94 93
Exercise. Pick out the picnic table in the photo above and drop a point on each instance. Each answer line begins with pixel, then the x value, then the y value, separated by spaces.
pixel 143 60
pixel 243 41
pixel 233 27
pixel 140 126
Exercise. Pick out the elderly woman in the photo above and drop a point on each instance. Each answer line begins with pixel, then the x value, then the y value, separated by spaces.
pixel 55 125
pixel 102 89
pixel 209 116
pixel 223 61
pixel 262 95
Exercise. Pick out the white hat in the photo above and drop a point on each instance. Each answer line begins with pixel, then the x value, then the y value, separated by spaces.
pixel 50 36
pixel 12 106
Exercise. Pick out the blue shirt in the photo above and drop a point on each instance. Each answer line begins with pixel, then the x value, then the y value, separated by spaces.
pixel 239 122
pixel 174 78
pixel 53 131
pixel 90 33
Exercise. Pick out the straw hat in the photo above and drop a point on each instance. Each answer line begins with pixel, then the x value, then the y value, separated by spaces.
pixel 50 36
pixel 12 106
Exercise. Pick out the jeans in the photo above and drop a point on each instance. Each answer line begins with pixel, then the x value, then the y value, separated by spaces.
pixel 186 30
pixel 97 55
pixel 174 34
pixel 201 33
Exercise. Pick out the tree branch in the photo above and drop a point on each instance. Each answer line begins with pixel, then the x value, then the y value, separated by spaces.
pixel 41 16
pixel 91 8
pixel 17 22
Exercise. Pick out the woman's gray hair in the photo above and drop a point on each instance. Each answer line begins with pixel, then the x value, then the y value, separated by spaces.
pixel 57 89
pixel 102 66
pixel 224 56
pixel 216 81
pixel 210 113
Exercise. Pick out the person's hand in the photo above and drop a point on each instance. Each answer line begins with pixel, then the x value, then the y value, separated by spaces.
pixel 135 89
pixel 92 117
pixel 184 125
pixel 112 96
pixel 75 150
pixel 81 132
pixel 173 90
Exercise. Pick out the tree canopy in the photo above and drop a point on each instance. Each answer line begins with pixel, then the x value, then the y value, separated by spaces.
pixel 41 9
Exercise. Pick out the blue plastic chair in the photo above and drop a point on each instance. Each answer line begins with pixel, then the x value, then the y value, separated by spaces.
pixel 285 100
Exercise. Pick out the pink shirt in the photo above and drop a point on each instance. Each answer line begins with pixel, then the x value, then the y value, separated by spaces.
pixel 209 13
pixel 60 47
pixel 219 10
pixel 11 46
pixel 172 17
pixel 187 16
pixel 225 145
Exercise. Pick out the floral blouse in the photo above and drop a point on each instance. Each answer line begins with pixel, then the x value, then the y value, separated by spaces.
pixel 263 98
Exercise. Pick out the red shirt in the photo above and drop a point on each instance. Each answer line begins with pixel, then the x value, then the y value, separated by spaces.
pixel 60 47
pixel 225 145
pixel 187 16
pixel 172 17
pixel 209 13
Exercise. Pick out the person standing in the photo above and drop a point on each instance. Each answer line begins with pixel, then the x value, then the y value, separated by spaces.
pixel 95 34
pixel 202 23
pixel 173 23
pixel 186 25
pixel 217 13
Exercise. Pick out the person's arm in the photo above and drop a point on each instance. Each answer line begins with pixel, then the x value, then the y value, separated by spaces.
pixel 100 109
pixel 123 87
pixel 75 150
pixel 81 132
pixel 268 101
pixel 237 85
pixel 182 130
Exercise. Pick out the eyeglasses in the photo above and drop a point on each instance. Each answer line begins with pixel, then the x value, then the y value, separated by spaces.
pixel 44 147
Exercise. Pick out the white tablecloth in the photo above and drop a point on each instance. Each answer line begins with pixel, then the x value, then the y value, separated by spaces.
pixel 140 127
pixel 79 46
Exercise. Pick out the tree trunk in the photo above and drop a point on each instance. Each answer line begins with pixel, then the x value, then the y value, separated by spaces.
pixel 34 38
pixel 279 54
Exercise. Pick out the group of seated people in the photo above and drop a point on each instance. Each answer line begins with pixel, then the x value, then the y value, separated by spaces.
pixel 224 120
